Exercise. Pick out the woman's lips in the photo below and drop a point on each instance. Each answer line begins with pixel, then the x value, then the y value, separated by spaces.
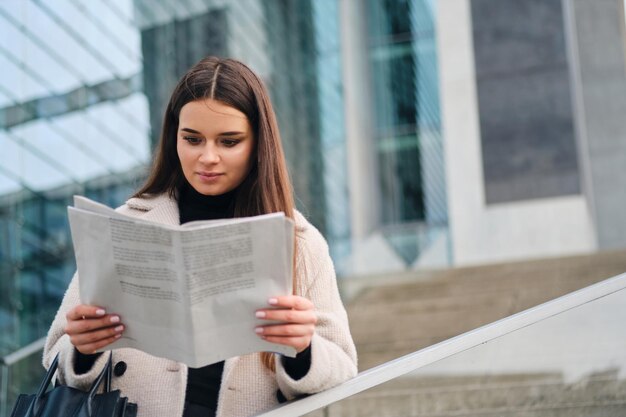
pixel 209 176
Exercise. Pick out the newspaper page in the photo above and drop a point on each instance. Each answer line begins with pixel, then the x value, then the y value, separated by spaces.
pixel 184 293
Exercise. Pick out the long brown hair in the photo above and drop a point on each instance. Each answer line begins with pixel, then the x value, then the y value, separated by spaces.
pixel 267 188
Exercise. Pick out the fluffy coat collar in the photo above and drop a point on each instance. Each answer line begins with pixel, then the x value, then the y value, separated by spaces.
pixel 164 209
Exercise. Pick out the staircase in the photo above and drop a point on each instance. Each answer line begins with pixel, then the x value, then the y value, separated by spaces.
pixel 394 316
pixel 421 309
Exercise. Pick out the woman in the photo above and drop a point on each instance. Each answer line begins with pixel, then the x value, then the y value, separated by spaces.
pixel 219 156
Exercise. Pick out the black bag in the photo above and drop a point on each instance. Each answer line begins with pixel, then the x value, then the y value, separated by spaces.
pixel 64 401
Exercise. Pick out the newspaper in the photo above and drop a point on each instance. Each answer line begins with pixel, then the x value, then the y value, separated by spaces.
pixel 186 293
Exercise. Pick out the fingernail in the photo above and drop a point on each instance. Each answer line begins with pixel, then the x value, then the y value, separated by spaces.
pixel 100 312
pixel 117 336
pixel 273 301
pixel 119 328
pixel 258 330
pixel 260 314
pixel 115 319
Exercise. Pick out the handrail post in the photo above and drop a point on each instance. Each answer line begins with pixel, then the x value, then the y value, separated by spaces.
pixel 4 393
pixel 9 360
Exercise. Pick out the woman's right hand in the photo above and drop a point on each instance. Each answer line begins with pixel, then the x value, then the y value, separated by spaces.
pixel 90 328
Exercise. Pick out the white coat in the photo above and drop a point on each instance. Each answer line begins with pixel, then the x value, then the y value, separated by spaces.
pixel 158 385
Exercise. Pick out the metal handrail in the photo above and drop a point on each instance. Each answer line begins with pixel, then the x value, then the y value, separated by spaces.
pixel 23 352
pixel 411 362
pixel 11 359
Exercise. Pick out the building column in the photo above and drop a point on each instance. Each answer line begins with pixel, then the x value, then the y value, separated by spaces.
pixel 363 177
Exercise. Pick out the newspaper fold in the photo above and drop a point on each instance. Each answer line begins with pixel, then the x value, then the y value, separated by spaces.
pixel 186 293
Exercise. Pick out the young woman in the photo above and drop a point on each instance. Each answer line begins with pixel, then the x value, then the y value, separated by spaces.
pixel 219 156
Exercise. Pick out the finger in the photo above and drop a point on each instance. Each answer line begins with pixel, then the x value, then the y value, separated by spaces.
pixel 286 330
pixel 82 326
pixel 292 301
pixel 92 348
pixel 288 316
pixel 299 343
pixel 83 311
pixel 89 338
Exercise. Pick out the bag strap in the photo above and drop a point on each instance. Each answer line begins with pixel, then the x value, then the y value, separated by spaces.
pixel 109 371
pixel 106 372
pixel 37 403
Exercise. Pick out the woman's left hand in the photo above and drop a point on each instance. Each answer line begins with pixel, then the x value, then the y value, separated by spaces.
pixel 298 321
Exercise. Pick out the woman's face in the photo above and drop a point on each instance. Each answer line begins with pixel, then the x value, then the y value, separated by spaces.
pixel 215 144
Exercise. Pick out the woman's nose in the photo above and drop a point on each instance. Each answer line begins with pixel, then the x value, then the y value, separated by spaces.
pixel 209 155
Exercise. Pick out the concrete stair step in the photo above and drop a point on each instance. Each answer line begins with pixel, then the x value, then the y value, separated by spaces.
pixel 507 395
pixel 558 273
pixel 459 285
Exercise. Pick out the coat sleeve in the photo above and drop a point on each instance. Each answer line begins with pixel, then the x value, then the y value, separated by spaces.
pixel 59 342
pixel 333 354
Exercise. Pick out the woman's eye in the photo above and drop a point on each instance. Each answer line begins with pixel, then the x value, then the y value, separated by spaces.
pixel 229 143
pixel 192 140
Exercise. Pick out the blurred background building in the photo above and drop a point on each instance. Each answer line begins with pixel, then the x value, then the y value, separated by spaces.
pixel 533 95
pixel 81 108
pixel 420 134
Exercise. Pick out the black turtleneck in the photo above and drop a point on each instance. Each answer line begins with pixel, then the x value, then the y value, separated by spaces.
pixel 203 384
pixel 195 206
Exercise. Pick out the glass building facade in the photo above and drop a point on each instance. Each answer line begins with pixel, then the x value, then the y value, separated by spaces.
pixel 84 85
pixel 402 51
pixel 73 120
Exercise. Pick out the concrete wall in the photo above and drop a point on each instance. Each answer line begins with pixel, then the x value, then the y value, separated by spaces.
pixel 524 100
pixel 598 40
pixel 481 233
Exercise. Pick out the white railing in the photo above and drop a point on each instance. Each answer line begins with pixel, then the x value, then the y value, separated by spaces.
pixel 413 361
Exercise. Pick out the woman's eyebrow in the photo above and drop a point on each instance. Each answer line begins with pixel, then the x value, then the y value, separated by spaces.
pixel 230 133
pixel 234 133
pixel 187 129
